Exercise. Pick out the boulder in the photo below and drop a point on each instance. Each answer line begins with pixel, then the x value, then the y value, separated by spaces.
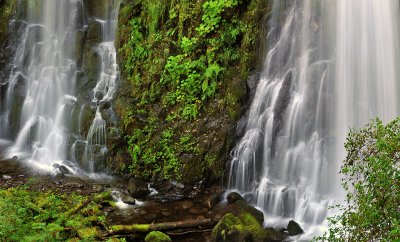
pixel 275 235
pixel 137 188
pixel 242 228
pixel 128 199
pixel 242 207
pixel 233 197
pixel 294 228
pixel 156 236
pixel 214 199
pixel 64 169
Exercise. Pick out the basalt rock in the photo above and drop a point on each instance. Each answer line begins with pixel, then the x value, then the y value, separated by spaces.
pixel 233 197
pixel 137 188
pixel 294 228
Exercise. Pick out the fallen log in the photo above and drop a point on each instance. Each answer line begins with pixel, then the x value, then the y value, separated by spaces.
pixel 98 199
pixel 146 228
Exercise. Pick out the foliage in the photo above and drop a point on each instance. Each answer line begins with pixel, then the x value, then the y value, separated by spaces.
pixel 372 182
pixel 178 56
pixel 43 216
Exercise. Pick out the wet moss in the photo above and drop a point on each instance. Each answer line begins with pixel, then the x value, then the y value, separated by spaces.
pixel 238 228
pixel 156 236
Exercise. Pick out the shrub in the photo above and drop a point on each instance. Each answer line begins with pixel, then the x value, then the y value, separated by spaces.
pixel 371 173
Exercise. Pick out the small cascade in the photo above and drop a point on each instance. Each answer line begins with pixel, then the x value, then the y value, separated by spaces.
pixel 331 65
pixel 95 148
pixel 44 111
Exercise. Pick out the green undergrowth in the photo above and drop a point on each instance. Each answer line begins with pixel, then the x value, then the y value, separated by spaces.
pixel 45 216
pixel 182 59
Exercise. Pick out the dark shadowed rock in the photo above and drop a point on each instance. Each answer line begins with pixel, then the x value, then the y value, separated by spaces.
pixel 294 228
pixel 128 200
pixel 233 197
pixel 64 169
pixel 248 197
pixel 274 235
pixel 59 176
pixel 137 188
pixel 214 199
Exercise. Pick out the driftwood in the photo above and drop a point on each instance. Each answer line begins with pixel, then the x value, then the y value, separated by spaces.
pixel 145 228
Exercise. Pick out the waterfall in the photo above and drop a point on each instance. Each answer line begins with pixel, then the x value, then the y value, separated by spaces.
pixel 330 65
pixel 44 93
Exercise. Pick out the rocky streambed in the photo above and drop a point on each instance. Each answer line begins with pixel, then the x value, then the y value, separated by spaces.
pixel 207 214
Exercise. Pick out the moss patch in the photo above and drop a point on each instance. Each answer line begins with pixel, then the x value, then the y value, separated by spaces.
pixel 238 228
pixel 156 236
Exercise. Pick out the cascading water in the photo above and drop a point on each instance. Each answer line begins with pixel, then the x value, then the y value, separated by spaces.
pixel 331 65
pixel 39 108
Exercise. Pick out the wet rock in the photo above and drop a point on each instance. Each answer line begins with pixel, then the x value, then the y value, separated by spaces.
pixel 233 197
pixel 6 177
pixel 59 176
pixel 251 87
pixel 104 105
pixel 137 188
pixel 156 236
pixel 64 169
pixel 275 235
pixel 171 187
pixel 56 165
pixel 241 228
pixel 97 188
pixel 150 217
pixel 214 199
pixel 294 228
pixel 128 199
pixel 195 210
pixel 244 207
pixel 166 213
pixel 249 198
pixel 186 205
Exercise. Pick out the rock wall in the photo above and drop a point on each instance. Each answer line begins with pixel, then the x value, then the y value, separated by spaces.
pixel 160 31
pixel 7 11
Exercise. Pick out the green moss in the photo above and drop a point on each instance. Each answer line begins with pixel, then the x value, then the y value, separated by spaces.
pixel 156 236
pixel 238 228
pixel 184 68
pixel 89 233
pixel 7 10
pixel 44 216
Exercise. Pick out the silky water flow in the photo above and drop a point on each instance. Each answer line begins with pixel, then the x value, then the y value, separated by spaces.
pixel 39 108
pixel 330 66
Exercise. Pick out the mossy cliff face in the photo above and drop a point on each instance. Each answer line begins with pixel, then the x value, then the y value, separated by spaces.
pixel 7 10
pixel 184 65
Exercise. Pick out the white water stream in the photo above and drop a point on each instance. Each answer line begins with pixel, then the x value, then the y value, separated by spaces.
pixel 42 90
pixel 331 65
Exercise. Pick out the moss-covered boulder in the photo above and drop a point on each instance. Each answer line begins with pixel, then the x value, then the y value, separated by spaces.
pixel 157 236
pixel 242 206
pixel 238 229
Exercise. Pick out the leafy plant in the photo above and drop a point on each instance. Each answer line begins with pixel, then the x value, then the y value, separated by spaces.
pixel 177 59
pixel 372 181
